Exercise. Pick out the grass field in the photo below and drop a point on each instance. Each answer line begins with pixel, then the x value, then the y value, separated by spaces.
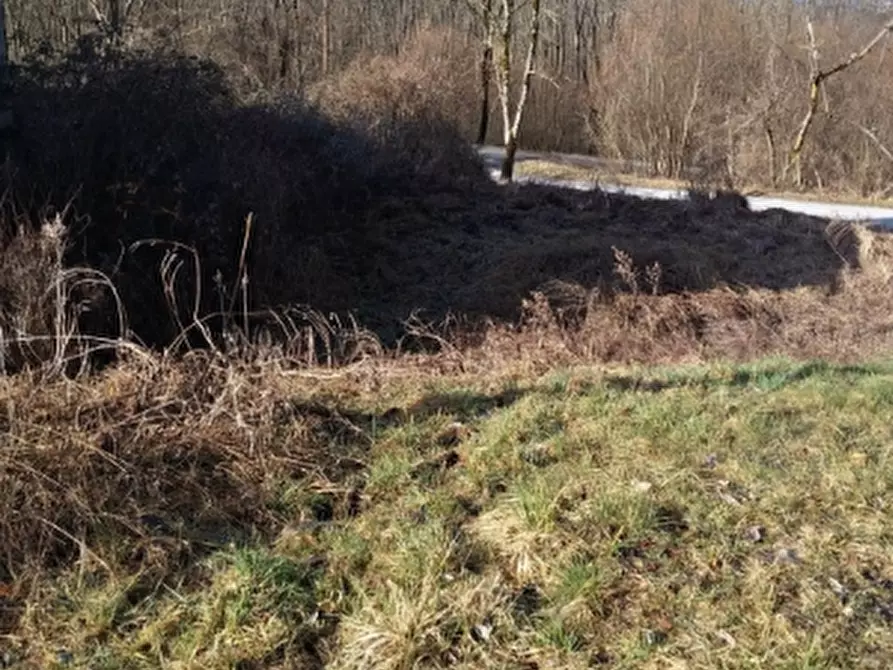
pixel 650 467
pixel 709 516
pixel 293 388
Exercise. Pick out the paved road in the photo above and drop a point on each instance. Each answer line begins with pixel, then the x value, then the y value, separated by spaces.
pixel 493 155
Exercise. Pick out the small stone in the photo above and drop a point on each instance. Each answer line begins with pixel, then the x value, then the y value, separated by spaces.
pixel 726 637
pixel 788 556
pixel 755 533
pixel 641 487
pixel 481 632
pixel 839 589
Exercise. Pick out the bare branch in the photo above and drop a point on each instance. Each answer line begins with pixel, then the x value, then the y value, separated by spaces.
pixel 529 67
pixel 870 134
pixel 818 78
pixel 690 113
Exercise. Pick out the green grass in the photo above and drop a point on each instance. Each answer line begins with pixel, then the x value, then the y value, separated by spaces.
pixel 702 517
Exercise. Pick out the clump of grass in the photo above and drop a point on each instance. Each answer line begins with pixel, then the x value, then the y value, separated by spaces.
pixel 45 305
pixel 32 303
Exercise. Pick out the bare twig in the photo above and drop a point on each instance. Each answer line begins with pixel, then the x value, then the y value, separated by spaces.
pixel 689 116
pixel 881 147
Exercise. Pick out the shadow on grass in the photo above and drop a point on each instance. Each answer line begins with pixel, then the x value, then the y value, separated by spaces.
pixel 463 405
pixel 350 427
pixel 764 379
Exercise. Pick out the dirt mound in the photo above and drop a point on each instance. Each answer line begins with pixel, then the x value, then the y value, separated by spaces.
pixel 482 255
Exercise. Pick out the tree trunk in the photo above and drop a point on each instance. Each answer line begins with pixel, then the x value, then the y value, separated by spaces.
pixel 817 79
pixel 770 143
pixel 6 120
pixel 507 172
pixel 486 69
pixel 325 38
pixel 512 126
pixel 116 22
pixel 486 64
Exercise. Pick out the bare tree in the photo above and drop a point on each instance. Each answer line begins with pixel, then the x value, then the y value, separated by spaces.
pixel 325 30
pixel 511 120
pixel 818 77
pixel 6 120
pixel 114 16
pixel 483 9
pixel 669 84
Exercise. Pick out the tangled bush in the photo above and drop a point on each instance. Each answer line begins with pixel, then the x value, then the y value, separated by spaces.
pixel 414 107
pixel 155 146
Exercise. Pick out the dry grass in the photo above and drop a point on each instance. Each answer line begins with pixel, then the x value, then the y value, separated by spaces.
pixel 560 171
pixel 461 509
pixel 595 276
pixel 495 492
pixel 190 514
pixel 139 474
pixel 499 503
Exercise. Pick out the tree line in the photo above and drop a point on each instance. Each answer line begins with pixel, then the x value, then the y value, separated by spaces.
pixel 744 92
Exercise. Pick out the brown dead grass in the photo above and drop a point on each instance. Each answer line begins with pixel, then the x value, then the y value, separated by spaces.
pixel 626 278
pixel 208 426
pixel 77 453
pixel 482 255
pixel 564 171
pixel 137 474
pixel 720 324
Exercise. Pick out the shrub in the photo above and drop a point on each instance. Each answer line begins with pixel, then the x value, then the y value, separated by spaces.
pixel 155 146
pixel 414 107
